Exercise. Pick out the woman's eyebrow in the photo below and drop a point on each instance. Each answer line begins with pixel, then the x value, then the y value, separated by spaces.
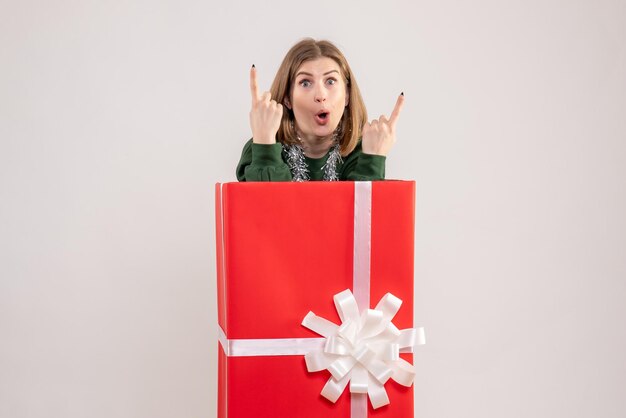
pixel 311 75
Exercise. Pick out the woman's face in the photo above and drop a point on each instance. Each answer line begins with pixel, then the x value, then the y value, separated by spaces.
pixel 318 98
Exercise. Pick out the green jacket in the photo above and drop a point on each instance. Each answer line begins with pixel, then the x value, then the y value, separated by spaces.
pixel 261 162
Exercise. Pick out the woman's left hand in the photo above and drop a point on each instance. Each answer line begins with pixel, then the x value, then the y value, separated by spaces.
pixel 380 134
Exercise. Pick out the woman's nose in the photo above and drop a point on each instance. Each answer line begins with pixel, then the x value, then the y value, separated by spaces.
pixel 320 95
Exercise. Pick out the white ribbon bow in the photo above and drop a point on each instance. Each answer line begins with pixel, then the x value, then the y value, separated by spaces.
pixel 364 350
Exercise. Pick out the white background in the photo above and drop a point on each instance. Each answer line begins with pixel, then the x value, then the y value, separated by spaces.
pixel 117 118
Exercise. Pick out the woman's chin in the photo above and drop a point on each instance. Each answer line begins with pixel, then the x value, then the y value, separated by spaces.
pixel 325 130
pixel 320 132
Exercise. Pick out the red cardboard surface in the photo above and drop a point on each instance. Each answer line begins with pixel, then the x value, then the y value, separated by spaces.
pixel 284 249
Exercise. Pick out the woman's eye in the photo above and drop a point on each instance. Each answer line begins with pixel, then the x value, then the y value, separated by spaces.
pixel 331 81
pixel 305 83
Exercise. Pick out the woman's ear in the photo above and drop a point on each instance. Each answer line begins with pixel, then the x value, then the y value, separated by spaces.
pixel 347 97
pixel 287 103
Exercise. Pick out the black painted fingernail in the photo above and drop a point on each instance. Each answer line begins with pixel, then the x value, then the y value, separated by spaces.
pixel 253 66
pixel 401 94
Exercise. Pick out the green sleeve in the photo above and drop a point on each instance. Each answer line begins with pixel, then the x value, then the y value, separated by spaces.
pixel 261 162
pixel 363 167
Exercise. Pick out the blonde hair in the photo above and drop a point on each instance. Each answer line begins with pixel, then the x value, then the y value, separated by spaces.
pixel 354 115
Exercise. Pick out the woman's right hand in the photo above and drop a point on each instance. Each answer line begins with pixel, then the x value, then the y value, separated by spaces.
pixel 265 115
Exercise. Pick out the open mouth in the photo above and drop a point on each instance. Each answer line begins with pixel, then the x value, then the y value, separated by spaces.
pixel 322 117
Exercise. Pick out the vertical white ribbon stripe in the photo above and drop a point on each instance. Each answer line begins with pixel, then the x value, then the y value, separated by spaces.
pixel 361 274
pixel 362 243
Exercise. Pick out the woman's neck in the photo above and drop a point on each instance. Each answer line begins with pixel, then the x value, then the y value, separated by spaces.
pixel 316 147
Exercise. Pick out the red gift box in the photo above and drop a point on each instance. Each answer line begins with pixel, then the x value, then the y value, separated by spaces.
pixel 284 249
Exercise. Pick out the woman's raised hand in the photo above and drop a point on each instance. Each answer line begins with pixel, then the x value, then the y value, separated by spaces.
pixel 380 134
pixel 265 115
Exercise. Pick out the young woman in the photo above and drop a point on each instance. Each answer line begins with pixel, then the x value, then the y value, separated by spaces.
pixel 312 124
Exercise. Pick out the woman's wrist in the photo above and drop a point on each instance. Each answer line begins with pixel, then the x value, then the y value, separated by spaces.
pixel 266 140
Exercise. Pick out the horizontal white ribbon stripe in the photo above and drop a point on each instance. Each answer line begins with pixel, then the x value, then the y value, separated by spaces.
pixel 268 347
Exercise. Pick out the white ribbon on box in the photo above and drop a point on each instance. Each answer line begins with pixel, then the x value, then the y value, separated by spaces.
pixel 364 349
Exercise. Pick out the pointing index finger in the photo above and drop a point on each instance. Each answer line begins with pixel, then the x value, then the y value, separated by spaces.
pixel 254 87
pixel 396 110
